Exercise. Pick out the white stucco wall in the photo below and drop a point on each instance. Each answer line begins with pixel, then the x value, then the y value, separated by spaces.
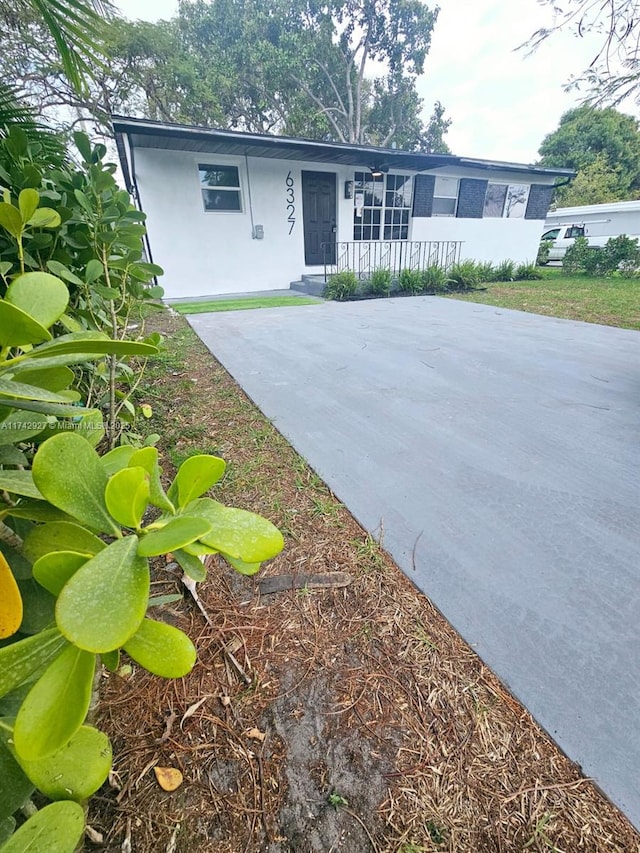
pixel 205 253
pixel 492 240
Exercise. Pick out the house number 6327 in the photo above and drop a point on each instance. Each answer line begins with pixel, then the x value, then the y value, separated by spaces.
pixel 291 206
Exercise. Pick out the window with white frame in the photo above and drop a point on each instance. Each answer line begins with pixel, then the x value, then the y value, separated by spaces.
pixel 445 196
pixel 506 200
pixel 381 206
pixel 220 188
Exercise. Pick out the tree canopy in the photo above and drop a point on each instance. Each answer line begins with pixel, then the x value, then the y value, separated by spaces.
pixel 343 70
pixel 614 72
pixel 603 146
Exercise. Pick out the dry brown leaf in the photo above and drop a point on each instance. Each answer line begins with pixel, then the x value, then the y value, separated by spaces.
pixel 169 778
pixel 193 708
pixel 256 734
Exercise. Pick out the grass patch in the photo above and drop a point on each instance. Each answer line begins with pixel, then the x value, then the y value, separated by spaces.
pixel 610 301
pixel 208 306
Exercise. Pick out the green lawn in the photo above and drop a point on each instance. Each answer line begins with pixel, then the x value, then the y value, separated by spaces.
pixel 209 305
pixel 610 301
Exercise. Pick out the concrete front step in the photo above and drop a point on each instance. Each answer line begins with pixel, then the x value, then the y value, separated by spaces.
pixel 313 285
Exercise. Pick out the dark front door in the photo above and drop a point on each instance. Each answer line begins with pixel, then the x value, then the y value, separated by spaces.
pixel 319 217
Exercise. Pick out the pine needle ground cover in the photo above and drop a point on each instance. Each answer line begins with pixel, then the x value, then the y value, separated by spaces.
pixel 332 707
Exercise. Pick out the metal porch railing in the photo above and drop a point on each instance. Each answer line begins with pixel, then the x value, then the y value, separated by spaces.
pixel 363 257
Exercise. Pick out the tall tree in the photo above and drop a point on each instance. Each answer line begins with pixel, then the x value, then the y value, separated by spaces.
pixel 614 72
pixel 345 72
pixel 603 145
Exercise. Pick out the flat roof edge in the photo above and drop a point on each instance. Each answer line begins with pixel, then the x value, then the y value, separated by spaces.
pixel 127 125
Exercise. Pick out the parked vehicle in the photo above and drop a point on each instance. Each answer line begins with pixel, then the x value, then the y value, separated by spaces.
pixel 596 222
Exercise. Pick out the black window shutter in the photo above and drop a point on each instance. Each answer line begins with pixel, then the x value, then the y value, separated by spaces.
pixel 423 186
pixel 540 196
pixel 471 198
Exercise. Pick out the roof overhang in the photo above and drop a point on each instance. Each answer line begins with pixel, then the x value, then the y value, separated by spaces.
pixel 142 133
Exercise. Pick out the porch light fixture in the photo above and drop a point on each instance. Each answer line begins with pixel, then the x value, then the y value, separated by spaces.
pixel 348 189
pixel 378 171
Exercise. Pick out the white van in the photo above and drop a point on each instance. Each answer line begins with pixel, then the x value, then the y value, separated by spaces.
pixel 596 222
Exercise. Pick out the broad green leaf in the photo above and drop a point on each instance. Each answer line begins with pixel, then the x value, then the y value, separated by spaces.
pixel 111 660
pixel 35 511
pixel 242 567
pixel 195 476
pixel 199 550
pixel 159 600
pixel 190 565
pixel 62 272
pixel 20 391
pixel 175 534
pixel 20 661
pixel 53 570
pixel 5 267
pixel 127 496
pixel 10 601
pixel 60 536
pixel 19 483
pixel 76 771
pixel 147 458
pixel 91 342
pixel 60 410
pixel 20 426
pixel 40 295
pixel 15 787
pixel 68 472
pixel 240 534
pixel 162 649
pixel 20 567
pixel 117 459
pixel 38 607
pixel 53 378
pixel 7 828
pixel 56 705
pixel 45 217
pixel 57 828
pixel 10 219
pixel 12 455
pixel 17 328
pixel 105 601
pixel 83 144
pixel 93 271
pixel 28 201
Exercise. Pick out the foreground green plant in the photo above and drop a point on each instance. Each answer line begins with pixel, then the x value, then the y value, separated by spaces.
pixel 341 286
pixel 90 561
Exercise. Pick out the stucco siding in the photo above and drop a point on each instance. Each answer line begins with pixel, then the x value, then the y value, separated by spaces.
pixel 205 253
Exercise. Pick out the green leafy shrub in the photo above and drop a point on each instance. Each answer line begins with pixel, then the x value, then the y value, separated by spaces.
pixel 341 286
pixel 543 252
pixel 380 282
pixel 621 253
pixel 505 271
pixel 85 540
pixel 434 280
pixel 77 224
pixel 486 271
pixel 583 258
pixel 410 281
pixel 527 272
pixel 464 275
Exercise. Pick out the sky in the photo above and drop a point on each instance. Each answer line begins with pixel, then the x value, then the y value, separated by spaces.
pixel 501 102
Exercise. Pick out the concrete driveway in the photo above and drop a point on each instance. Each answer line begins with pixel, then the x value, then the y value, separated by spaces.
pixel 503 448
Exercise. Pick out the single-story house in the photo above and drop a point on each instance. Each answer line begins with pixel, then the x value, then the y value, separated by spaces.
pixel 229 212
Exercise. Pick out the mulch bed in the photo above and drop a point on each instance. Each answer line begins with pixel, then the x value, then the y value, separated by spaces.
pixel 320 718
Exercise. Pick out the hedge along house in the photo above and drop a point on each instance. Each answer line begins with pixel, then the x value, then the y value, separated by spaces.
pixel 231 212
